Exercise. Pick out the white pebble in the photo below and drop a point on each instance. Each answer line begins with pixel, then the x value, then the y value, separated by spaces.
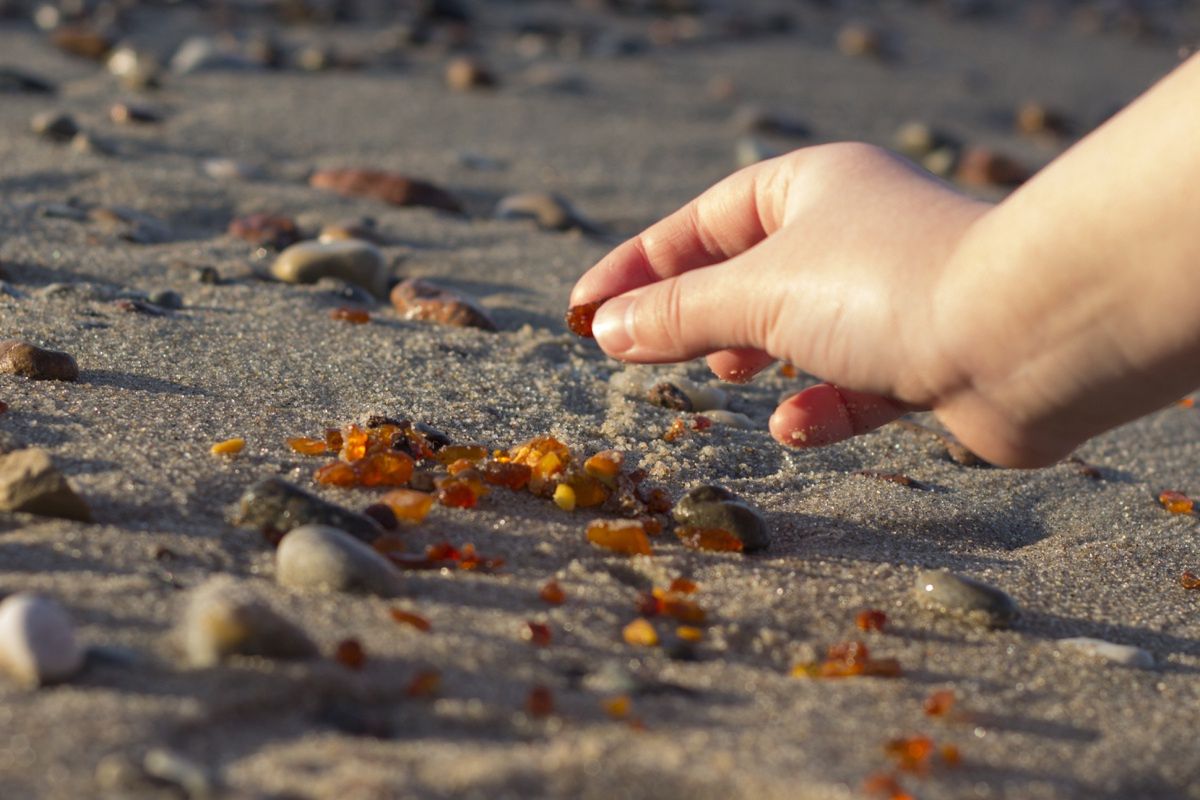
pixel 733 419
pixel 37 640
pixel 328 559
pixel 1124 654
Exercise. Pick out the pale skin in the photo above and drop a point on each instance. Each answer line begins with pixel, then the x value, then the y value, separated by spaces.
pixel 1027 327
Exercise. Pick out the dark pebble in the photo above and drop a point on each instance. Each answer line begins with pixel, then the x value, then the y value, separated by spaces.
pixel 273 506
pixel 36 363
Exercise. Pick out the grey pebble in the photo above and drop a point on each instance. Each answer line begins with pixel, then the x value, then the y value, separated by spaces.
pixel 18 81
pixel 717 507
pixel 166 298
pixel 30 482
pixel 958 595
pixel 352 260
pixel 224 618
pixel 732 419
pixel 273 506
pixel 327 559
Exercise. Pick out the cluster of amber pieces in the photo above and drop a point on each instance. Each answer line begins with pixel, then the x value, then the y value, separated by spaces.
pixel 680 427
pixel 373 456
pixel 1176 502
pixel 848 660
pixel 673 602
pixel 442 555
pixel 915 755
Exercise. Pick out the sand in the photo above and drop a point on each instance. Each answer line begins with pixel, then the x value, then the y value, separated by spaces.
pixel 262 360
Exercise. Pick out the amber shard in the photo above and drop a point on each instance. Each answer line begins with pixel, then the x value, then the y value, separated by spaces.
pixel 640 633
pixel 552 593
pixel 408 504
pixel 355 316
pixel 229 447
pixel 715 539
pixel 408 618
pixel 870 619
pixel 911 753
pixel 617 707
pixel 682 586
pixel 622 536
pixel 1176 502
pixel 306 446
pixel 540 702
pixel 579 318
pixel 1189 580
pixel 350 654
pixel 939 703
pixel 336 474
pixel 536 633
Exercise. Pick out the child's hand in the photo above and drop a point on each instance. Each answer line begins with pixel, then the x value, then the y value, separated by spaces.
pixel 831 258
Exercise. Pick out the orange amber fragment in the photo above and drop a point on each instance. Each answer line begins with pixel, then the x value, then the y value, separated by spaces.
pixel 579 318
pixel 689 633
pixel 939 703
pixel 338 473
pixel 870 619
pixel 388 468
pixel 507 474
pixel 622 536
pixel 229 447
pixel 355 316
pixel 950 755
pixel 589 492
pixel 640 633
pixel 787 370
pixel 307 446
pixel 424 684
pixel 455 452
pixel 605 466
pixel 1189 580
pixel 617 707
pixel 1186 402
pixel 552 593
pixel 350 654
pixel 649 604
pixel 354 444
pixel 716 539
pixel 537 448
pixel 408 618
pixel 536 633
pixel 408 504
pixel 678 428
pixel 682 586
pixel 701 423
pixel 454 493
pixel 333 439
pixel 911 753
pixel 540 702
pixel 1176 502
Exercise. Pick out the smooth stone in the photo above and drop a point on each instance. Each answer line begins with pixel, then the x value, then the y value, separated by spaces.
pixel 465 73
pixel 330 560
pixel 36 363
pixel 1123 654
pixel 224 618
pixel 549 211
pixel 55 125
pixel 965 597
pixel 37 640
pixel 717 507
pixel 733 419
pixel 355 261
pixel 273 506
pixel 417 299
pixel 389 187
pixel 30 482
pixel 174 768
pixel 166 298
pixel 941 161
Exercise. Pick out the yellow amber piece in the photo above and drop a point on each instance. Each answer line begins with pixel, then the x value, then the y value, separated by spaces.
pixel 306 446
pixel 564 497
pixel 408 504
pixel 640 633
pixel 622 536
pixel 229 447
pixel 605 466
pixel 354 443
pixel 689 633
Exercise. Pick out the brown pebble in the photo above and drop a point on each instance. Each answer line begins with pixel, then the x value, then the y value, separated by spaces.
pixel 30 482
pixel 81 41
pixel 418 299
pixel 36 363
pixel 464 74
pixel 265 230
pixel 390 187
pixel 982 166
pixel 668 395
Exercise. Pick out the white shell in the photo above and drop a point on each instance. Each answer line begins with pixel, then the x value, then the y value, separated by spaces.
pixel 37 640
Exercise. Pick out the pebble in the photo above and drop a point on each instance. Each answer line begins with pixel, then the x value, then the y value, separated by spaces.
pixel 966 597
pixel 390 187
pixel 223 618
pixel 166 298
pixel 417 299
pixel 982 166
pixel 668 395
pixel 717 507
pixel 91 144
pixel 941 161
pixel 37 641
pixel 205 274
pixel 755 119
pixel 176 769
pixel 135 70
pixel 363 228
pixel 265 230
pixel 1124 654
pixel 732 419
pixel 29 361
pixel 750 150
pixel 19 82
pixel 230 169
pixel 273 506
pixel 549 211
pixel 465 73
pixel 57 126
pixel 351 260
pixel 704 397
pixel 328 559
pixel 30 482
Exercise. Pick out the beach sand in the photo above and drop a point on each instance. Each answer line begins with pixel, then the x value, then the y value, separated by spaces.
pixel 640 134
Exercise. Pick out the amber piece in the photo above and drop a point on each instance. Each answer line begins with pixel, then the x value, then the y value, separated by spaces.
pixel 640 633
pixel 701 423
pixel 683 610
pixel 307 446
pixel 454 493
pixel 408 504
pixel 387 468
pixel 579 318
pixel 443 551
pixel 355 316
pixel 507 474
pixel 689 633
pixel 1186 402
pixel 540 702
pixel 564 497
pixel 605 466
pixel 350 654
pixel 657 500
pixel 455 452
pixel 336 474
pixel 617 707
pixel 683 586
pixel 649 604
pixel 589 492
pixel 536 633
pixel 715 539
pixel 408 618
pixel 354 444
pixel 939 703
pixel 333 439
pixel 678 428
pixel 424 684
pixel 473 561
pixel 552 593
pixel 951 757
pixel 787 370
pixel 622 536
pixel 870 619
pixel 532 451
pixel 229 447
pixel 1189 580
pixel 911 753
pixel 1176 502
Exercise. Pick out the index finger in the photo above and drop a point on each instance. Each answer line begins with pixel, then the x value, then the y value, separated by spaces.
pixel 727 219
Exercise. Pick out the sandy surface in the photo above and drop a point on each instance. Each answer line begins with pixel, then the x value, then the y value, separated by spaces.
pixel 262 360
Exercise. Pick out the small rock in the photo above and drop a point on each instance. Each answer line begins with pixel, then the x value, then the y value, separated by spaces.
pixel 668 395
pixel 958 595
pixel 206 274
pixel 1124 654
pixel 325 558
pixel 173 768
pixel 129 224
pixel 223 618
pixel 704 397
pixel 230 169
pixel 16 81
pixel 82 41
pixel 36 363
pixel 732 419
pixel 165 298
pixel 351 260
pixel 750 150
pixel 857 39
pixel 363 228
pixel 717 507
pixel 30 482
pixel 274 507
pixel 464 74
pixel 390 187
pixel 57 126
pixel 37 641
pixel 135 70
pixel 129 114
pixel 981 166
pixel 265 230
pixel 755 119
pixel 417 299
pixel 549 211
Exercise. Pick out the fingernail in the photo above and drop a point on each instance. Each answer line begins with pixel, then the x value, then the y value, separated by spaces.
pixel 613 326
